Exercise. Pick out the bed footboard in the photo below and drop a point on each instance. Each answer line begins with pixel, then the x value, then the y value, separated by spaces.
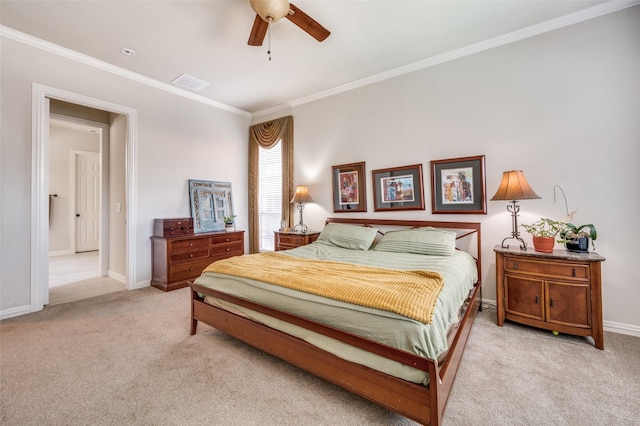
pixel 417 402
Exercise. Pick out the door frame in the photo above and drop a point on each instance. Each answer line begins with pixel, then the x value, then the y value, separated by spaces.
pixel 40 186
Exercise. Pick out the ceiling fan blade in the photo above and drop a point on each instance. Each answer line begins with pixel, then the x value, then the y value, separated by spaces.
pixel 307 23
pixel 258 31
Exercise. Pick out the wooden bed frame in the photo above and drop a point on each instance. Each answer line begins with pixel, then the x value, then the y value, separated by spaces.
pixel 424 404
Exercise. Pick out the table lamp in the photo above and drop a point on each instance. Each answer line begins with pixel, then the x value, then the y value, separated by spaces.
pixel 300 197
pixel 514 187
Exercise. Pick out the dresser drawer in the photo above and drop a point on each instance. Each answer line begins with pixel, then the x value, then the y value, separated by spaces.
pixel 227 237
pixel 187 271
pixel 193 243
pixel 546 268
pixel 226 250
pixel 291 240
pixel 190 255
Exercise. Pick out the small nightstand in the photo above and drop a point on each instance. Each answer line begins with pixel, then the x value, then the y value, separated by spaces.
pixel 559 291
pixel 288 240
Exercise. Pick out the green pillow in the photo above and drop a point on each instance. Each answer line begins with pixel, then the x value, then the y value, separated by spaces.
pixel 348 236
pixel 428 240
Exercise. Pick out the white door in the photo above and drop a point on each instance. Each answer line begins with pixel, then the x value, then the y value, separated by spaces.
pixel 87 202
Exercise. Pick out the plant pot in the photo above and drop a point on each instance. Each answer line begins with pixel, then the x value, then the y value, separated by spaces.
pixel 229 227
pixel 543 244
pixel 579 245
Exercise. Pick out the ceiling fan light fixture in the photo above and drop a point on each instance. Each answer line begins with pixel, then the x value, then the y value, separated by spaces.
pixel 270 10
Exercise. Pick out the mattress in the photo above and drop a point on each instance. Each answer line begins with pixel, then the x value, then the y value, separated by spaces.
pixel 427 340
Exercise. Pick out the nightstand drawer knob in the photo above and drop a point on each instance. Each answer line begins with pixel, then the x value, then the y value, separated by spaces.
pixel 551 302
pixel 537 299
pixel 515 265
pixel 573 272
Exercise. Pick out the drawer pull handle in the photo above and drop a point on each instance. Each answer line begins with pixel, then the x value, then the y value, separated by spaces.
pixel 191 255
pixel 190 269
pixel 227 240
pixel 190 244
pixel 227 249
pixel 515 265
pixel 573 272
pixel 551 302
pixel 537 299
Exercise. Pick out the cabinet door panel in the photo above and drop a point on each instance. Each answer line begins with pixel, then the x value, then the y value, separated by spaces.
pixel 524 296
pixel 569 304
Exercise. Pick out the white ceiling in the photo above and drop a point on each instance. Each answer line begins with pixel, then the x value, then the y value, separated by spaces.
pixel 369 40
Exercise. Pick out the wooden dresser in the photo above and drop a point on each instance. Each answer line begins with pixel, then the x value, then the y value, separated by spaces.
pixel 288 240
pixel 178 259
pixel 559 291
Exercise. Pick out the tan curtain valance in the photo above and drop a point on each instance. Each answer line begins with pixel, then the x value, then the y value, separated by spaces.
pixel 266 135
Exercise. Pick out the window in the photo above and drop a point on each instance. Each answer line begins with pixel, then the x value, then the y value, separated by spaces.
pixel 269 194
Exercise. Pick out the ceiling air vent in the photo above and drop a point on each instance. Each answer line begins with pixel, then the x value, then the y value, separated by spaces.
pixel 189 82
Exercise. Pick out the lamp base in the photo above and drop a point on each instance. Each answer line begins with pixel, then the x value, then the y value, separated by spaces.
pixel 513 208
pixel 523 244
pixel 300 228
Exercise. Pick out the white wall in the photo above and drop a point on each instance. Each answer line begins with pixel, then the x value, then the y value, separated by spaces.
pixel 563 106
pixel 177 139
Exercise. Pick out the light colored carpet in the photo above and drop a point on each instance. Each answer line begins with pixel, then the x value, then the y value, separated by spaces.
pixel 127 358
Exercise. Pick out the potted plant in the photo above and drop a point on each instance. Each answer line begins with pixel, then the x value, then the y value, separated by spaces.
pixel 576 238
pixel 228 222
pixel 544 233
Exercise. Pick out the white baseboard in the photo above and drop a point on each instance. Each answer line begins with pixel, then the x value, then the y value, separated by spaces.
pixel 620 328
pixel 14 312
pixel 612 326
pixel 61 253
pixel 116 276
pixel 142 284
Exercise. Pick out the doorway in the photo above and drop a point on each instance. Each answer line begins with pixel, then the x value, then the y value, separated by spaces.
pixel 76 195
pixel 126 123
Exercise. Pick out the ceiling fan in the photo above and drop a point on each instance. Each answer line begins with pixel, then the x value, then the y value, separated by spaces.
pixel 269 11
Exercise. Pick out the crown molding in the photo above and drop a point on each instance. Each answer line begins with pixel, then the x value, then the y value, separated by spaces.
pixel 55 49
pixel 592 12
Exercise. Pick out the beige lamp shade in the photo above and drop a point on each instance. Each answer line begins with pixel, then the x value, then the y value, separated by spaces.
pixel 514 186
pixel 302 195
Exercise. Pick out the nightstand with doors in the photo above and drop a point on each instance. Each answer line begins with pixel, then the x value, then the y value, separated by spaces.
pixel 559 291
pixel 288 240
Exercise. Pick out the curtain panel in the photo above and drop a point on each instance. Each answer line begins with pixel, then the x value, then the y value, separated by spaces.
pixel 266 135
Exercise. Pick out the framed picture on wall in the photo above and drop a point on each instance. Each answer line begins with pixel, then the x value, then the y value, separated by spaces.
pixel 458 186
pixel 349 188
pixel 210 203
pixel 398 188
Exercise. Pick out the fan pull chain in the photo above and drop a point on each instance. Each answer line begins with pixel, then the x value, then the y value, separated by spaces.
pixel 269 40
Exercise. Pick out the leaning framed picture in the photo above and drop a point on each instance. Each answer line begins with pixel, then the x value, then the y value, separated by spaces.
pixel 458 186
pixel 349 188
pixel 210 203
pixel 398 188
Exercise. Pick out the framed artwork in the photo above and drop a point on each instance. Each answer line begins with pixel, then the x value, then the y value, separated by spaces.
pixel 398 188
pixel 458 186
pixel 210 203
pixel 349 188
